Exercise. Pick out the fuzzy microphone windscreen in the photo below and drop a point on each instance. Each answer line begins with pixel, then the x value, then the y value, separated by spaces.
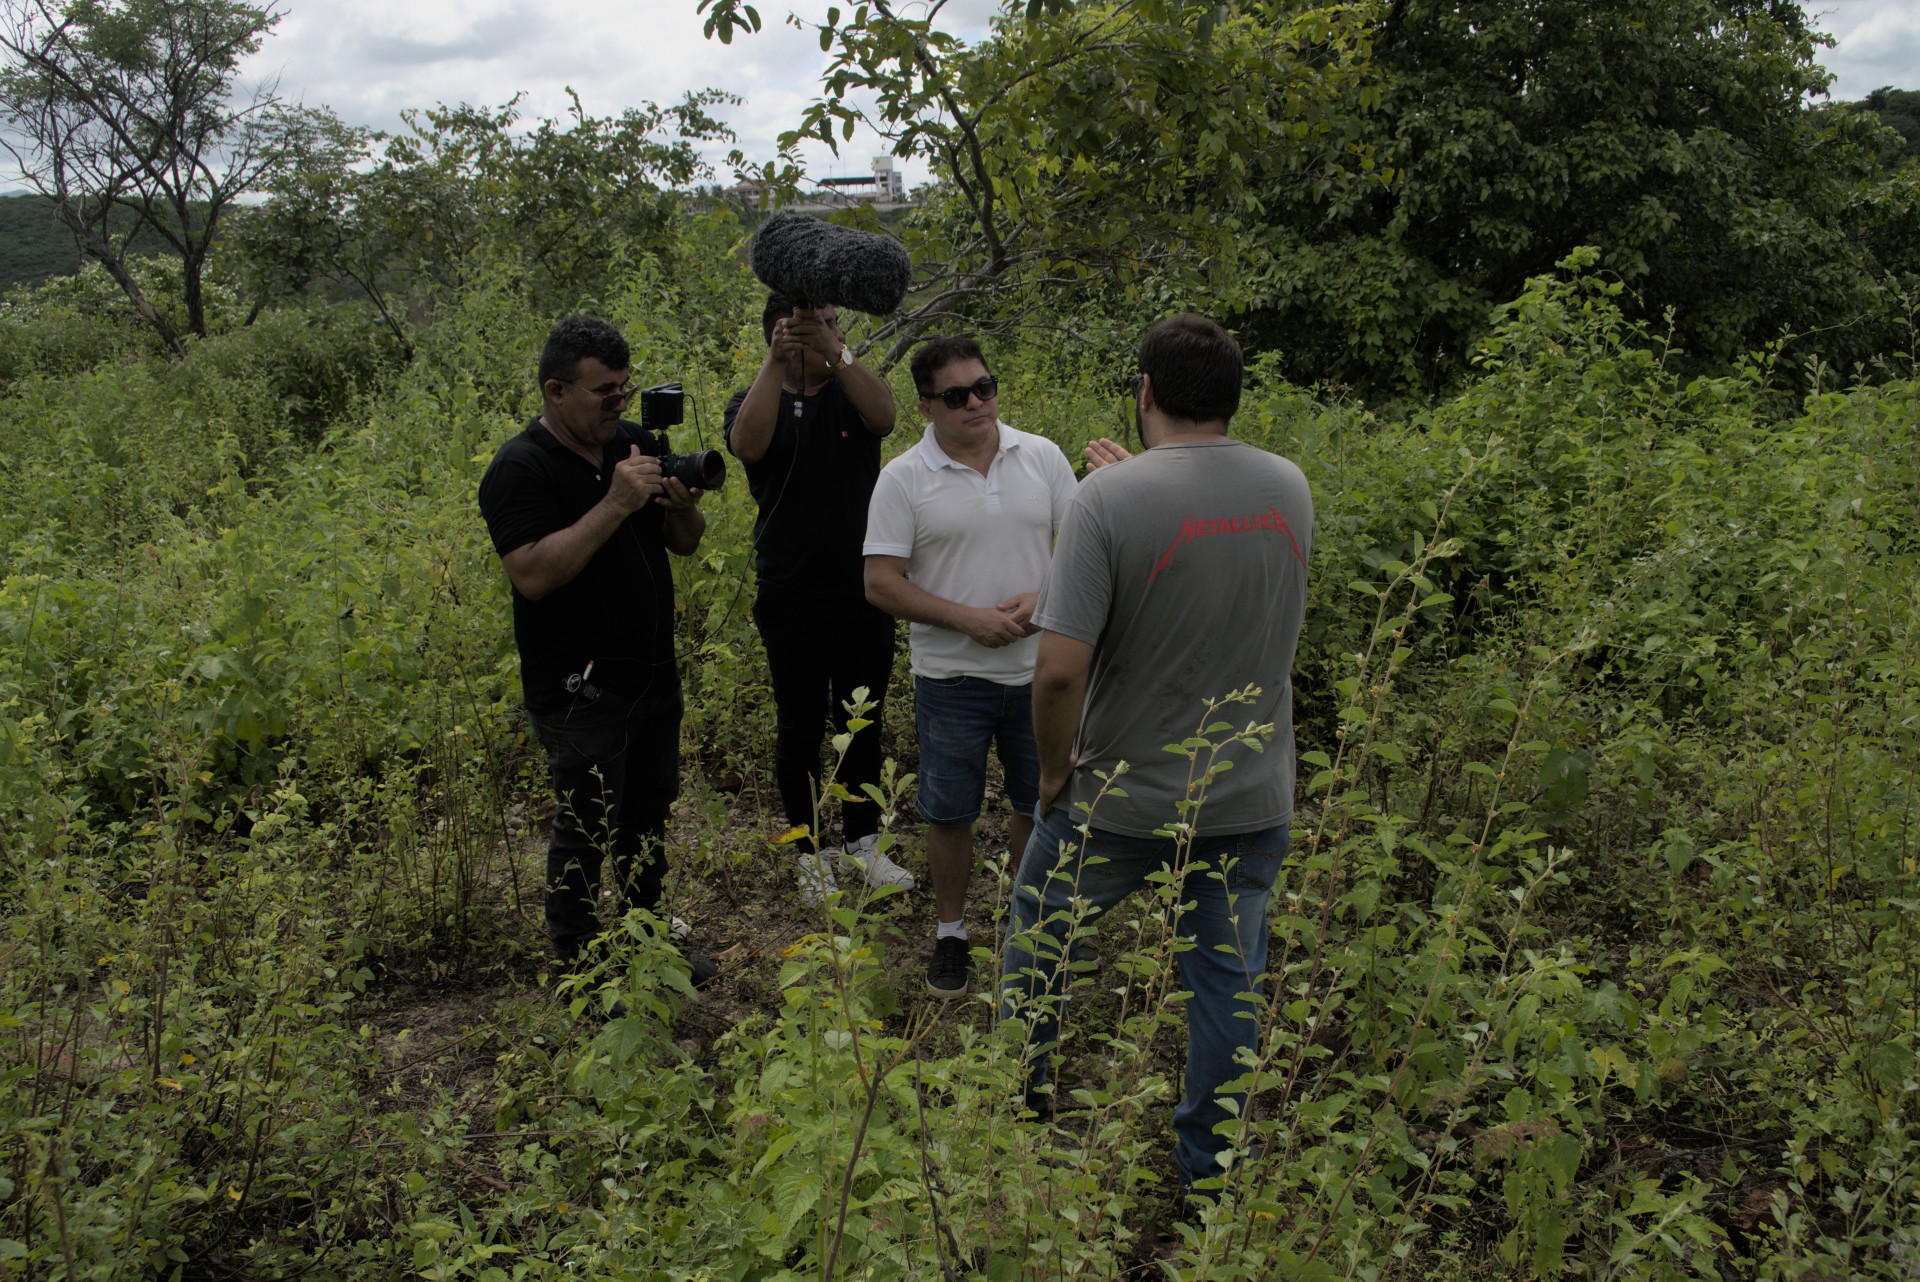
pixel 816 262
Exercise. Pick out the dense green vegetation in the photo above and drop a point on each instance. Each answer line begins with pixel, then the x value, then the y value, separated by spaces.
pixel 1358 185
pixel 1596 953
pixel 1595 956
pixel 1898 110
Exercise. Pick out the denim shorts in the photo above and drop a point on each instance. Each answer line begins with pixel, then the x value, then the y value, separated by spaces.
pixel 957 718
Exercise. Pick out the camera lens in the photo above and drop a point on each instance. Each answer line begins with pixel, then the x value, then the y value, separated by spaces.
pixel 700 470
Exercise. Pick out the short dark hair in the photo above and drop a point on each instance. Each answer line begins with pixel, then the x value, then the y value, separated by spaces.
pixel 1195 368
pixel 936 354
pixel 778 308
pixel 576 338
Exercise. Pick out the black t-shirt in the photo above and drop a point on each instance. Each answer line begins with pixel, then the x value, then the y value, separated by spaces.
pixel 812 487
pixel 618 611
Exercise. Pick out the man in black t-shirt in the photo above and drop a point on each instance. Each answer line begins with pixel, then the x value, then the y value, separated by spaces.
pixel 583 520
pixel 808 431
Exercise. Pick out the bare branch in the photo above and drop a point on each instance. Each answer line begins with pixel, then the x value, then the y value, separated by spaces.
pixel 125 108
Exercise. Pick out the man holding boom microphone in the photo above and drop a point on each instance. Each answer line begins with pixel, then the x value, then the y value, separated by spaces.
pixel 808 430
pixel 583 517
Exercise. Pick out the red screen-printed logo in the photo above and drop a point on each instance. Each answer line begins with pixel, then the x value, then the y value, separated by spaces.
pixel 1191 529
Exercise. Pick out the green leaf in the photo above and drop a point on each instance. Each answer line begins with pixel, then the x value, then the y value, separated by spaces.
pixel 780 1147
pixel 1563 777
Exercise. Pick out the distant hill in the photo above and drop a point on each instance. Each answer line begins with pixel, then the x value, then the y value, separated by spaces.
pixel 33 244
pixel 1898 109
pixel 35 247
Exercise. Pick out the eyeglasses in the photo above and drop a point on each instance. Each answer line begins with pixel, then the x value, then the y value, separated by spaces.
pixel 610 399
pixel 955 398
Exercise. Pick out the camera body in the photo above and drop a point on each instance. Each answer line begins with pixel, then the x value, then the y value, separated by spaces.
pixel 661 408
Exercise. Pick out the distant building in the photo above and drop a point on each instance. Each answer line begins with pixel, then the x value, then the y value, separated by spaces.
pixel 884 188
pixel 884 185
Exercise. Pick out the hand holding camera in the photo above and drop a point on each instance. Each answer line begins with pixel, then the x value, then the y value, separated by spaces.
pixel 676 496
pixel 636 480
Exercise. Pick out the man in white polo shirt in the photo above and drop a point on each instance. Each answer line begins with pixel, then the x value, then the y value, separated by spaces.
pixel 959 535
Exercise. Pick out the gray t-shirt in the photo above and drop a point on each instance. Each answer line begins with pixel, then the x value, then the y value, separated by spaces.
pixel 1186 569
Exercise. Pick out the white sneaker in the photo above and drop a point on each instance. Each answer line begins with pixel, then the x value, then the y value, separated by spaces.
pixel 864 854
pixel 816 880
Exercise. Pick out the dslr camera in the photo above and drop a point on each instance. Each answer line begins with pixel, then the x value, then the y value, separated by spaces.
pixel 661 408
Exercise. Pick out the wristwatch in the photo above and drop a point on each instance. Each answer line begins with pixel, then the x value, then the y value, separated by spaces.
pixel 845 359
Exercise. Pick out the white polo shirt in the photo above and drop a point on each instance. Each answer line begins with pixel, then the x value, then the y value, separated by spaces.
pixel 972 539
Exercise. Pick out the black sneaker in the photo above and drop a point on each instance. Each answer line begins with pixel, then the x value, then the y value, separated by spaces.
pixel 1047 1106
pixel 947 972
pixel 705 969
pixel 1037 1103
pixel 1191 1205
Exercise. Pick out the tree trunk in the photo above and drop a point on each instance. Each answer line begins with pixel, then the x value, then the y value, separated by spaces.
pixel 196 301
pixel 95 244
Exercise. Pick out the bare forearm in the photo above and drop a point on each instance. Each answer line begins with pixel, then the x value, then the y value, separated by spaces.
pixel 1059 692
pixel 549 564
pixel 871 398
pixel 758 415
pixel 904 599
pixel 1056 722
pixel 683 530
pixel 889 589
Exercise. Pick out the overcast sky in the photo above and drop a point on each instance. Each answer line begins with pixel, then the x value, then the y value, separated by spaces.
pixel 368 59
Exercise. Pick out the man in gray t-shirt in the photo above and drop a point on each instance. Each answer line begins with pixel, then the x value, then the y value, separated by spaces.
pixel 1184 574
pixel 1180 577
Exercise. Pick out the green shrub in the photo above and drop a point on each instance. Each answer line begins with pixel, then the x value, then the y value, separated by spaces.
pixel 1593 958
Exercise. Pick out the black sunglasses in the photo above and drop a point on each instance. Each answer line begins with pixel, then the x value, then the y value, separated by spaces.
pixel 955 398
pixel 610 399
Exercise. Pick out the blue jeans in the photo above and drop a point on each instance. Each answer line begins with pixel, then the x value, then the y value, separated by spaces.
pixel 1227 922
pixel 957 719
pixel 615 764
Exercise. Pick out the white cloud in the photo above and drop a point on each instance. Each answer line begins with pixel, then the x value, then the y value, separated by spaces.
pixel 369 59
pixel 1876 43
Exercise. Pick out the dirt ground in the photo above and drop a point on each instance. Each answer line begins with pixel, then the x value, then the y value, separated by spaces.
pixel 442 1030
pixel 444 1034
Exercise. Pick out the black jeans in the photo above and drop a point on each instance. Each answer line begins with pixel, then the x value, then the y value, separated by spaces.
pixel 820 648
pixel 615 763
